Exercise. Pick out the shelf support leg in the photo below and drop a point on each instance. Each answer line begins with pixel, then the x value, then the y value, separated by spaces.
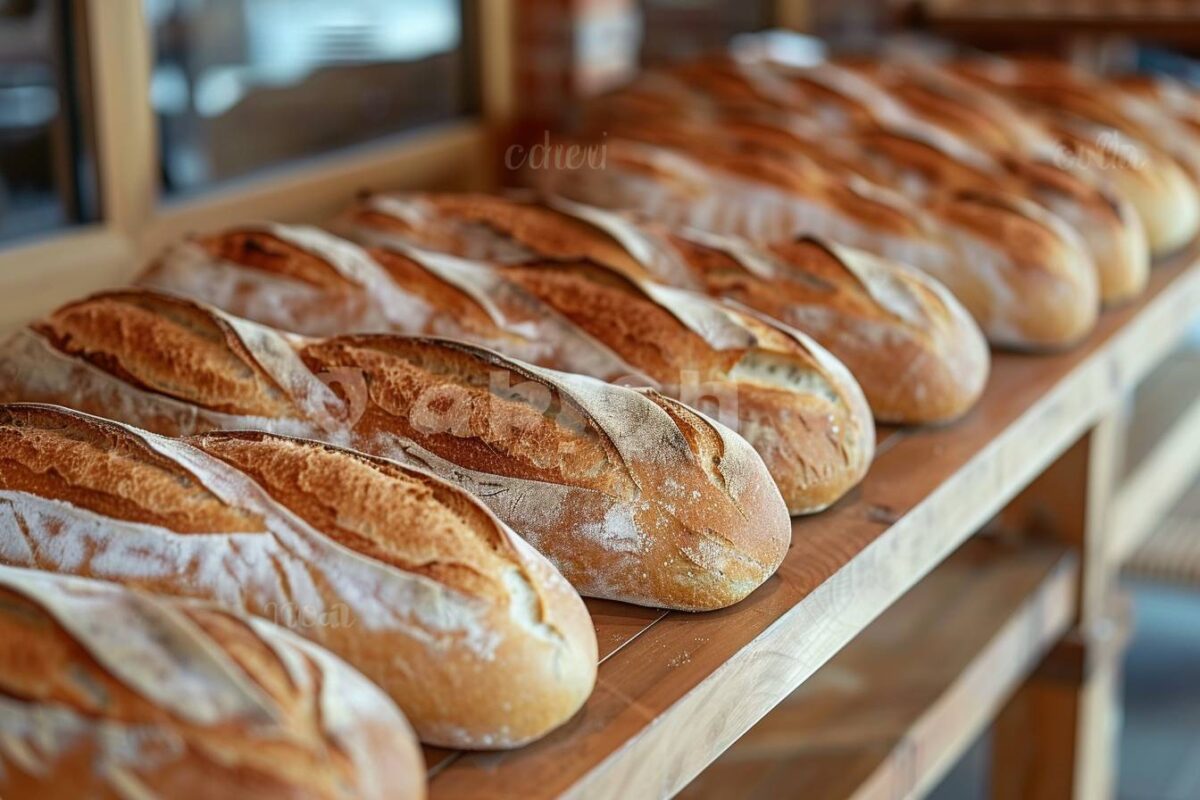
pixel 1056 738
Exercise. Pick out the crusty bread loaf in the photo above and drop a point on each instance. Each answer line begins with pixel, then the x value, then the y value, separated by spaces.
pixel 633 496
pixel 114 693
pixel 1152 160
pixel 408 578
pixel 1024 275
pixel 813 429
pixel 308 281
pixel 907 149
pixel 915 351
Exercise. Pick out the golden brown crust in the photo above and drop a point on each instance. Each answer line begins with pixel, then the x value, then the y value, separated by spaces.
pixel 98 466
pixel 407 577
pixel 690 351
pixel 913 349
pixel 103 734
pixel 356 499
pixel 264 250
pixel 197 357
pixel 461 411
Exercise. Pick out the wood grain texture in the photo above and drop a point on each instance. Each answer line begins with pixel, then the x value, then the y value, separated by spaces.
pixel 686 687
pixel 898 706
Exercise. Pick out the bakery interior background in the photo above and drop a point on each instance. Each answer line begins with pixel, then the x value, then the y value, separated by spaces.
pixel 257 102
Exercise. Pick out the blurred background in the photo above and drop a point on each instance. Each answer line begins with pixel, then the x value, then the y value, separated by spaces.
pixel 247 95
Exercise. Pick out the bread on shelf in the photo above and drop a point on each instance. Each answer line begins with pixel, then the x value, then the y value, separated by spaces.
pixel 115 692
pixel 795 404
pixel 408 578
pixel 1024 275
pixel 632 495
pixel 911 346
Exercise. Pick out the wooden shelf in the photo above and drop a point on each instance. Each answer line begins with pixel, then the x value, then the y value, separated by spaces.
pixel 890 713
pixel 675 690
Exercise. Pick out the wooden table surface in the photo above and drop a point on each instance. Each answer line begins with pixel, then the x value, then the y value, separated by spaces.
pixel 675 690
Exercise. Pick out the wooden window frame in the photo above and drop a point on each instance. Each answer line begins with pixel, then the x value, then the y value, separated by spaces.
pixel 136 220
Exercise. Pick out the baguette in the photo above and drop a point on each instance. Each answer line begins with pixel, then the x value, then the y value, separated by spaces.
pixel 632 496
pixel 1024 275
pixel 917 157
pixel 915 351
pixel 475 636
pixel 110 692
pixel 308 281
pixel 814 430
pixel 1151 159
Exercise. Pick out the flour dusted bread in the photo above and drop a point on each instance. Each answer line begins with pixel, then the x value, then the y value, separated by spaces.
pixel 1023 274
pixel 305 280
pixel 911 346
pixel 475 636
pixel 797 406
pixel 914 349
pixel 1151 158
pixel 633 496
pixel 107 692
pixel 942 144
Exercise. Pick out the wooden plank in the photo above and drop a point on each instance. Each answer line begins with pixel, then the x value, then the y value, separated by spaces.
pixel 1049 735
pixel 906 698
pixel 676 696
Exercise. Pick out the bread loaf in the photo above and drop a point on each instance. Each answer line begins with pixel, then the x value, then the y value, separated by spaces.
pixel 916 352
pixel 812 429
pixel 633 496
pixel 953 140
pixel 308 281
pixel 1151 159
pixel 475 636
pixel 1022 273
pixel 115 693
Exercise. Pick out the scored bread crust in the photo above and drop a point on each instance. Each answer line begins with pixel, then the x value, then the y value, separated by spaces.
pixel 408 578
pixel 813 430
pixel 311 282
pixel 651 518
pixel 1030 162
pixel 108 692
pixel 912 150
pixel 802 411
pixel 994 277
pixel 915 351
pixel 1149 157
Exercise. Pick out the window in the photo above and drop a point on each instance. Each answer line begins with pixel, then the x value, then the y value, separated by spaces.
pixel 243 85
pixel 47 167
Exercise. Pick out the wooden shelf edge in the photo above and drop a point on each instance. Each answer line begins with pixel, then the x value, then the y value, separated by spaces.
pixel 1144 499
pixel 882 720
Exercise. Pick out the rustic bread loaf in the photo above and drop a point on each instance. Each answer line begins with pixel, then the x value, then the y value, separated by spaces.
pixel 633 496
pixel 910 150
pixel 1022 273
pixel 311 282
pixel 812 428
pixel 111 692
pixel 1151 158
pixel 475 636
pixel 800 409
pixel 915 351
